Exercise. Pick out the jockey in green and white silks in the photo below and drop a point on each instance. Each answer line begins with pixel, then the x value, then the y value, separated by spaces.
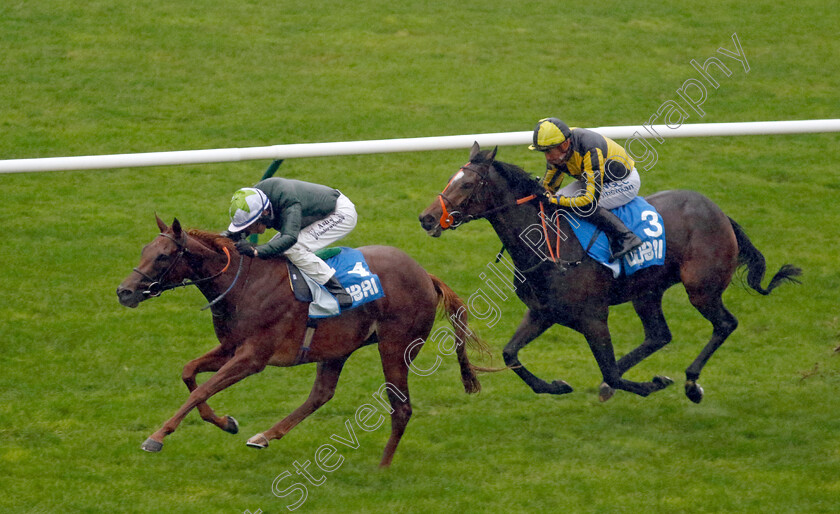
pixel 605 175
pixel 307 218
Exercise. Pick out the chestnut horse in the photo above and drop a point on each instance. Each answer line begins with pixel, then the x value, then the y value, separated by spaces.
pixel 703 249
pixel 259 322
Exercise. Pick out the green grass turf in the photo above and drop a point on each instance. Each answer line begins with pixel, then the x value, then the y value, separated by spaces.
pixel 85 380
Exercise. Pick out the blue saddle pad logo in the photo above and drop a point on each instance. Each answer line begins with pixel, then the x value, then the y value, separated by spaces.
pixel 353 273
pixel 644 220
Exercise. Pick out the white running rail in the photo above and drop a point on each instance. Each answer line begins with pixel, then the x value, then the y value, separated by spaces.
pixel 416 144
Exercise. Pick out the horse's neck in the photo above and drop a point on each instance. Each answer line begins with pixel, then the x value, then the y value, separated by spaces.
pixel 210 263
pixel 530 239
pixel 251 276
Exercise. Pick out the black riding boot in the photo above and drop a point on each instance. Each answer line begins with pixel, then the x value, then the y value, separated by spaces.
pixel 334 287
pixel 622 239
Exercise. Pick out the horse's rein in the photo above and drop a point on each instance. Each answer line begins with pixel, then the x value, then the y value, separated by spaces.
pixel 235 279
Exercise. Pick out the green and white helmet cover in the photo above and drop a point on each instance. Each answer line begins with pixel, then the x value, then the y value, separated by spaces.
pixel 246 207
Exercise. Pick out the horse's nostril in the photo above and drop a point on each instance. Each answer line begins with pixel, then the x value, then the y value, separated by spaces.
pixel 127 297
pixel 123 292
pixel 427 221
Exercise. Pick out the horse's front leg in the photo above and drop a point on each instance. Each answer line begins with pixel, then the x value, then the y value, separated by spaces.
pixel 597 334
pixel 530 328
pixel 211 361
pixel 245 362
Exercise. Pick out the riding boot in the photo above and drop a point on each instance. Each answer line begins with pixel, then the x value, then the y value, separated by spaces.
pixel 334 287
pixel 622 239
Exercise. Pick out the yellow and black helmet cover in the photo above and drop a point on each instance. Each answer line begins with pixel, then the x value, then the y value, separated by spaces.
pixel 549 133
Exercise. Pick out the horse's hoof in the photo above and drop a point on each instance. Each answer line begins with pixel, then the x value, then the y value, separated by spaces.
pixel 259 441
pixel 556 387
pixel 150 445
pixel 693 391
pixel 662 381
pixel 560 387
pixel 232 426
pixel 605 392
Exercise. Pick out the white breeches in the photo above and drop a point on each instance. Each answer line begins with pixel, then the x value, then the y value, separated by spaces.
pixel 615 194
pixel 319 235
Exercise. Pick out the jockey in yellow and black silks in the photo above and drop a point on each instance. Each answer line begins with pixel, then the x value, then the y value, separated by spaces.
pixel 605 175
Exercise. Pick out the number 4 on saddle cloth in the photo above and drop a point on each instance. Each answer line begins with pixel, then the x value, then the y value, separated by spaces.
pixel 640 217
pixel 352 272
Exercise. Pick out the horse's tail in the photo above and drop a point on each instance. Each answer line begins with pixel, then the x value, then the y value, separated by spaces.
pixel 749 256
pixel 453 307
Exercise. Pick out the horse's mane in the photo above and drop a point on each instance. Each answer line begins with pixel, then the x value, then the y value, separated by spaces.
pixel 212 239
pixel 520 181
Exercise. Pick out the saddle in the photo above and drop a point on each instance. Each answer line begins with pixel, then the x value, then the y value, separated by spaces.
pixel 351 270
pixel 353 274
pixel 644 220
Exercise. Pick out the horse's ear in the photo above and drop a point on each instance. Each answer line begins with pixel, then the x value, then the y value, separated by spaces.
pixel 474 150
pixel 161 225
pixel 492 155
pixel 176 227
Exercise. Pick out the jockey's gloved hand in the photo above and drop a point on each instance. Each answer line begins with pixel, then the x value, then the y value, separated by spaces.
pixel 235 236
pixel 245 248
pixel 548 196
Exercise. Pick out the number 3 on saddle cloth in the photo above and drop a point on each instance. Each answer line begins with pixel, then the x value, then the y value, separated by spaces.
pixel 352 272
pixel 640 217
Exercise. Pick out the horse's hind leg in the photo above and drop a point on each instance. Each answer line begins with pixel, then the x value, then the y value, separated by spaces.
pixel 530 328
pixel 395 363
pixel 657 335
pixel 211 361
pixel 326 380
pixel 710 305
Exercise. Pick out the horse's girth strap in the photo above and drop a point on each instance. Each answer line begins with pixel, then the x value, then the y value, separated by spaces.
pixel 311 325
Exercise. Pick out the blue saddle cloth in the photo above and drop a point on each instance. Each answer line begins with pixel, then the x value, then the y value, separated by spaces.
pixel 352 272
pixel 644 220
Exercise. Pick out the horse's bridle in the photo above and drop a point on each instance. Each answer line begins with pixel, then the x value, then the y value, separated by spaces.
pixel 448 220
pixel 155 289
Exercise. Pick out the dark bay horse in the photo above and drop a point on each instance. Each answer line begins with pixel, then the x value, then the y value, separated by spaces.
pixel 704 247
pixel 258 322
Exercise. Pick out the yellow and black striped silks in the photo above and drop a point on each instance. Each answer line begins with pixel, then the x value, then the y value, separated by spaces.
pixel 596 160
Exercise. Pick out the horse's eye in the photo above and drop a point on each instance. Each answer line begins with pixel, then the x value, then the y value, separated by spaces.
pixel 162 258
